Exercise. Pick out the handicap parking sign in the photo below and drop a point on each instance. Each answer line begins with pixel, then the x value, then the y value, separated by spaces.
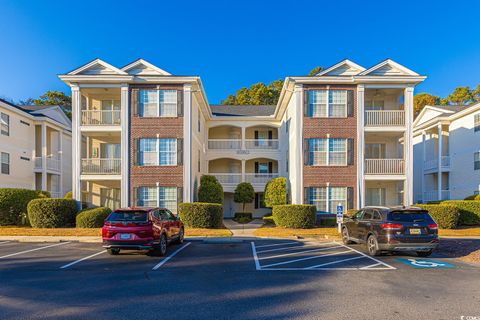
pixel 426 263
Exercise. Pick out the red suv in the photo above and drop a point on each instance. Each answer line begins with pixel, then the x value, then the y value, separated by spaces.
pixel 141 229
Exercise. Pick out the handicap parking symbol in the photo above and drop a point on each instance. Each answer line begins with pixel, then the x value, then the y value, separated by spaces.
pixel 426 263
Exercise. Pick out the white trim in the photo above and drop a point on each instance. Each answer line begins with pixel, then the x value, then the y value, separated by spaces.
pixel 94 62
pixel 393 64
pixel 338 65
pixel 187 143
pixel 145 63
pixel 125 146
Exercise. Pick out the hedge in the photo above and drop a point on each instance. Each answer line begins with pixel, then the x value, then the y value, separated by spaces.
pixel 275 192
pixel 351 212
pixel 446 216
pixel 473 197
pixel 13 204
pixel 295 215
pixel 243 215
pixel 52 213
pixel 69 195
pixel 469 211
pixel 210 190
pixel 201 215
pixel 92 218
pixel 328 222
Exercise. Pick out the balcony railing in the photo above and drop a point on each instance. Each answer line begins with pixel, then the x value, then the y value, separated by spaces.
pixel 384 118
pixel 101 166
pixel 100 117
pixel 433 164
pixel 37 162
pixel 228 178
pixel 384 166
pixel 52 162
pixel 433 195
pixel 56 194
pixel 224 144
pixel 260 178
pixel 261 144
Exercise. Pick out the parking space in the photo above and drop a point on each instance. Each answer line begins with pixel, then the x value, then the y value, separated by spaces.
pixel 311 256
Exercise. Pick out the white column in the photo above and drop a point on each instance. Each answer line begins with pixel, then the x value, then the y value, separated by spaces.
pixel 76 143
pixel 439 159
pixel 124 147
pixel 60 156
pixel 44 156
pixel 424 158
pixel 187 143
pixel 360 146
pixel 297 147
pixel 243 139
pixel 408 146
pixel 243 170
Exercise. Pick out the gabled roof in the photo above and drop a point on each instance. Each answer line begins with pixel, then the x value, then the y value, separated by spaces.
pixel 242 111
pixel 388 68
pixel 97 67
pixel 443 113
pixel 142 67
pixel 343 68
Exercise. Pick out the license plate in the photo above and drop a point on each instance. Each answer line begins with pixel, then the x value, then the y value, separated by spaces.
pixel 125 236
pixel 415 231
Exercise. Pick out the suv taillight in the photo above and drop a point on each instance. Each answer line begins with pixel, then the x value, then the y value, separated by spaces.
pixel 391 226
pixel 433 226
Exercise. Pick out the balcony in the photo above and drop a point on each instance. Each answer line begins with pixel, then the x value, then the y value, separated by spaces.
pixel 261 144
pixel 433 195
pixel 100 117
pixel 224 144
pixel 236 178
pixel 56 194
pixel 260 178
pixel 384 118
pixel 385 166
pixel 236 144
pixel 52 163
pixel 228 178
pixel 432 165
pixel 101 166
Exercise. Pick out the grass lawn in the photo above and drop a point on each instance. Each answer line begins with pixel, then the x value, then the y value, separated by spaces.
pixel 63 232
pixel 272 231
pixel 461 232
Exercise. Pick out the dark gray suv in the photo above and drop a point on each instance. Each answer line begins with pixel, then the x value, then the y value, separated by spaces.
pixel 385 229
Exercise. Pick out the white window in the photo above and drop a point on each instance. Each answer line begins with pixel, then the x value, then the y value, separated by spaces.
pixel 328 103
pixel 372 105
pixel 375 151
pixel 5 124
pixel 5 163
pixel 326 199
pixel 158 103
pixel 263 167
pixel 110 112
pixel 158 152
pixel 328 152
pixel 147 197
pixel 168 198
pixel 375 197
pixel 476 160
pixel 476 125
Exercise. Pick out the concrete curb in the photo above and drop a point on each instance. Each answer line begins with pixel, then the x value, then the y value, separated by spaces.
pixel 88 239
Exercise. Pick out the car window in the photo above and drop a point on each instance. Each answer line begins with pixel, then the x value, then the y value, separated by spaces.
pixel 359 214
pixel 410 216
pixel 377 215
pixel 131 216
pixel 156 214
pixel 163 215
pixel 170 215
pixel 368 215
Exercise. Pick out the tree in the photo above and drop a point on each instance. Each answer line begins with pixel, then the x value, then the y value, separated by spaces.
pixel 461 95
pixel 51 98
pixel 315 70
pixel 210 190
pixel 244 193
pixel 423 99
pixel 258 94
pixel 276 192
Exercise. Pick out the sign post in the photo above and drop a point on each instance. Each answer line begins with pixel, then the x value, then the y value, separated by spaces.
pixel 339 217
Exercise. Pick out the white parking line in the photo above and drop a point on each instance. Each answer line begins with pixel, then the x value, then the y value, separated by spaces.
pixel 276 244
pixel 301 246
pixel 36 249
pixel 171 256
pixel 303 259
pixel 255 257
pixel 82 259
pixel 298 252
pixel 4 242
pixel 333 262
pixel 370 257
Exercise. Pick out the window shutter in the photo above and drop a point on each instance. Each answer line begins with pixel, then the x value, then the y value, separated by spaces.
pixel 270 134
pixel 256 200
pixel 180 103
pixel 350 103
pixel 270 167
pixel 135 102
pixel 136 151
pixel 306 106
pixel 350 151
pixel 179 195
pixel 256 167
pixel 306 152
pixel 306 195
pixel 350 198
pixel 135 197
pixel 179 151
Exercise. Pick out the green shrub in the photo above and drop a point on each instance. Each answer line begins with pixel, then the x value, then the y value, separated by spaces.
pixel 473 197
pixel 469 211
pixel 295 215
pixel 210 190
pixel 328 222
pixel 69 195
pixel 276 192
pixel 92 218
pixel 445 215
pixel 13 204
pixel 268 218
pixel 351 212
pixel 52 213
pixel 201 215
pixel 243 215
pixel 244 193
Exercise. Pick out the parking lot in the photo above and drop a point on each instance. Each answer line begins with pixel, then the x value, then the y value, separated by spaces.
pixel 261 279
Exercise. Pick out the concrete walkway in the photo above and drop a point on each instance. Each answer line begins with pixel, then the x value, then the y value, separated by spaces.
pixel 243 229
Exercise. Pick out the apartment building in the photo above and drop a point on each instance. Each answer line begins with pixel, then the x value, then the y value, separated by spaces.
pixel 447 152
pixel 142 136
pixel 35 146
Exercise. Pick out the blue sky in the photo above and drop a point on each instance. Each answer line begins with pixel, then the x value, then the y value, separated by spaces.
pixel 232 44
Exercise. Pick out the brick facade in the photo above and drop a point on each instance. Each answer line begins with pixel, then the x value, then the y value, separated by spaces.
pixel 336 176
pixel 165 176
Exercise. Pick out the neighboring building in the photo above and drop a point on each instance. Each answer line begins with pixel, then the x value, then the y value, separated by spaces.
pixel 142 136
pixel 447 152
pixel 35 146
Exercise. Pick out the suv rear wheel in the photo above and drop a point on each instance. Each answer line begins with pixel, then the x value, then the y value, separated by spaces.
pixel 162 247
pixel 424 253
pixel 372 246
pixel 113 251
pixel 181 236
pixel 345 236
